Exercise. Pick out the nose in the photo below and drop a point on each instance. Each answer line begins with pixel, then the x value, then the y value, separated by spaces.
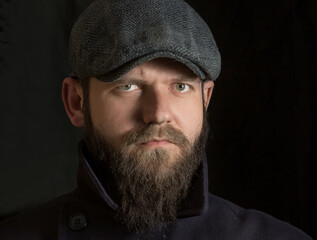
pixel 156 108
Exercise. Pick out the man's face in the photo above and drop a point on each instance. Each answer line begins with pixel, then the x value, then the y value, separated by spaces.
pixel 150 129
pixel 157 92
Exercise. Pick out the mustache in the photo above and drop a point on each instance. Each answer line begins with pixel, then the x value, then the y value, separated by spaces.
pixel 151 132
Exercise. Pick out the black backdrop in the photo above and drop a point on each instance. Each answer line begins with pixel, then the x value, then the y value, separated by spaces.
pixel 263 111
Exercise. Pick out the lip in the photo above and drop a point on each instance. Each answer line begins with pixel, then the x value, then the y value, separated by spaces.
pixel 156 142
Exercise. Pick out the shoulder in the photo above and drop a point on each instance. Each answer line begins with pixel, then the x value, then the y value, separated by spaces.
pixel 29 224
pixel 251 224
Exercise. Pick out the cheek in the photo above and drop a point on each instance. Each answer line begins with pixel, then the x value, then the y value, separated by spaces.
pixel 111 118
pixel 190 118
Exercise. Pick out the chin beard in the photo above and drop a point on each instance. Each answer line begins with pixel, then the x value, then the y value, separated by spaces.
pixel 150 183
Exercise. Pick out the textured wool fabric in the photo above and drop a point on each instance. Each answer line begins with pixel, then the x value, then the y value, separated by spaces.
pixel 111 37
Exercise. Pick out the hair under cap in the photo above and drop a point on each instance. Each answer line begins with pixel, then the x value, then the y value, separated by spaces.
pixel 113 36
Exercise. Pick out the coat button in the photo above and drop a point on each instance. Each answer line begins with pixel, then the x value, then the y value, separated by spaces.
pixel 77 222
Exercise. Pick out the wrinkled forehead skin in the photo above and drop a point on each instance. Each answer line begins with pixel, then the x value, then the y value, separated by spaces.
pixel 112 37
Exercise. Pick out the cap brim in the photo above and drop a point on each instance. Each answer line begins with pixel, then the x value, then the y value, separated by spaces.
pixel 119 72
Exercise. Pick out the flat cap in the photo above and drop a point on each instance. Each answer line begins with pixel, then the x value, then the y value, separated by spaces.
pixel 113 36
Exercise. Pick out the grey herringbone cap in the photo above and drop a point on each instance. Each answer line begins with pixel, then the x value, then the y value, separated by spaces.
pixel 113 36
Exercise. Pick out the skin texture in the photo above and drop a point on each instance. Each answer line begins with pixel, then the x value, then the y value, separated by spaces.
pixel 159 92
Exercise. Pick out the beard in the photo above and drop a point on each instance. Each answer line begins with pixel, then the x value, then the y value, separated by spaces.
pixel 150 183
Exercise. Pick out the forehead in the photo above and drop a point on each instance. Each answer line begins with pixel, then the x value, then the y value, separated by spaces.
pixel 163 67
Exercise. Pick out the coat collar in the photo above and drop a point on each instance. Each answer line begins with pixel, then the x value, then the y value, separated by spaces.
pixel 91 189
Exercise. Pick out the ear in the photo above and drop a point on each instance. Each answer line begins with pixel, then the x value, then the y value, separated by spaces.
pixel 208 87
pixel 73 101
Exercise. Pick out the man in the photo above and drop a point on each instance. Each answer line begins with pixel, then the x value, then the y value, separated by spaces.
pixel 143 75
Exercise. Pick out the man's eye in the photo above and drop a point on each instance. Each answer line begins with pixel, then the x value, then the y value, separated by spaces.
pixel 128 87
pixel 182 87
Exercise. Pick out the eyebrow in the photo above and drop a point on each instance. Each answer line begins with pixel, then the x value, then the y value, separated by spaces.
pixel 128 80
pixel 141 81
pixel 196 79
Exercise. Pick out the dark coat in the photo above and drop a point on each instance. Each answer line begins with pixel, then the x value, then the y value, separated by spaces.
pixel 87 213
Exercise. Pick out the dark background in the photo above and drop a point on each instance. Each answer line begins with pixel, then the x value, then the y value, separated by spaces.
pixel 263 111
